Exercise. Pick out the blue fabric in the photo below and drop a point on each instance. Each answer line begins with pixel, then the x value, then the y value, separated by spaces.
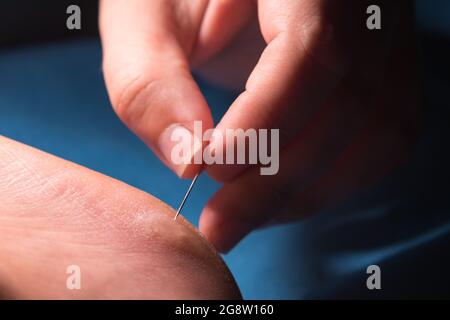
pixel 53 97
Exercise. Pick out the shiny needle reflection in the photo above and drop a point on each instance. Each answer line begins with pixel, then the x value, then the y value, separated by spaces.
pixel 186 196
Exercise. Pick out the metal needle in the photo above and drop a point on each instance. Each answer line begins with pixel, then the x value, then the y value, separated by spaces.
pixel 185 197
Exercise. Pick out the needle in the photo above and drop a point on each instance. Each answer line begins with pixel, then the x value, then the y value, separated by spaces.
pixel 186 196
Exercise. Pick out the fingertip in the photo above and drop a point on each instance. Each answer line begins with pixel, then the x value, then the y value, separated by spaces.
pixel 189 171
pixel 224 234
pixel 180 149
pixel 210 227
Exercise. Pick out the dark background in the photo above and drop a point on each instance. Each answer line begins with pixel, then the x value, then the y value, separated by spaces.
pixel 25 22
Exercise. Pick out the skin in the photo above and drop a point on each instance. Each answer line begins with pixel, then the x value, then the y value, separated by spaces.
pixel 55 214
pixel 345 99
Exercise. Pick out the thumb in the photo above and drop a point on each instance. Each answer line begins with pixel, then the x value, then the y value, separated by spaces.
pixel 147 73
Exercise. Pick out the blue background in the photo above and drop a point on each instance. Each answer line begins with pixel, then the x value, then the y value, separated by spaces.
pixel 53 97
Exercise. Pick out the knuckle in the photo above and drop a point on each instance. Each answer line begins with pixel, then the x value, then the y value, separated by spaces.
pixel 124 103
pixel 135 87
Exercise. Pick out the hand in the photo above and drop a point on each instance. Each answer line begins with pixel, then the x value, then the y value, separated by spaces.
pixel 55 214
pixel 343 97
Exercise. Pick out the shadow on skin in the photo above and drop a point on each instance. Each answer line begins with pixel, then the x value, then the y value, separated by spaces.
pixel 55 214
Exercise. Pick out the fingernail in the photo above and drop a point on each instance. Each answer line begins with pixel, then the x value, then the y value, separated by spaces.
pixel 178 146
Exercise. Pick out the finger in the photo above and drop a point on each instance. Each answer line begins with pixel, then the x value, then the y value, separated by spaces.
pixel 242 53
pixel 387 143
pixel 309 49
pixel 369 159
pixel 287 84
pixel 146 46
pixel 233 212
pixel 251 200
pixel 223 21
